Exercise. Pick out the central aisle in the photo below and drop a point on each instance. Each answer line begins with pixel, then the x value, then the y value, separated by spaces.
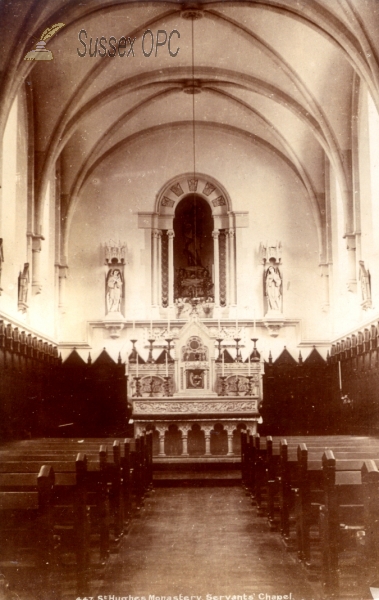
pixel 196 541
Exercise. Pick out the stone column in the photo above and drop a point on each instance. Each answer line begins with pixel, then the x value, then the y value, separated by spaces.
pixel 232 267
pixel 161 430
pixel 207 432
pixel 216 259
pixel 184 429
pixel 227 269
pixel 230 430
pixel 351 246
pixel 154 267
pixel 159 266
pixel 324 272
pixel 171 235
pixel 36 251
pixel 62 276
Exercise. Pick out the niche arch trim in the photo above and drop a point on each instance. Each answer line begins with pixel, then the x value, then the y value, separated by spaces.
pixel 200 184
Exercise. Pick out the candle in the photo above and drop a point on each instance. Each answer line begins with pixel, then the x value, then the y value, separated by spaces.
pixel 255 326
pixel 166 363
pixel 236 326
pixel 223 363
pixel 137 366
pixel 340 374
pixel 151 324
pixel 168 323
pixel 219 325
pixel 134 329
pixel 249 365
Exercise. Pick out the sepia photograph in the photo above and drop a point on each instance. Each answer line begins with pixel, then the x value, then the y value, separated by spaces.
pixel 189 300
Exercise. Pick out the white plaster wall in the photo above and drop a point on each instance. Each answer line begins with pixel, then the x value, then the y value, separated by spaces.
pixel 13 209
pixel 368 144
pixel 43 305
pixel 256 181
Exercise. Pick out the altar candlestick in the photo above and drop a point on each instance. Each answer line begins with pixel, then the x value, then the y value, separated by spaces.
pixel 223 363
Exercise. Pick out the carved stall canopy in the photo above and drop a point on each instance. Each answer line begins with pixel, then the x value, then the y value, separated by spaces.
pixel 92 397
pixel 73 360
pixel 354 373
pixel 296 396
pixel 29 368
pixel 314 358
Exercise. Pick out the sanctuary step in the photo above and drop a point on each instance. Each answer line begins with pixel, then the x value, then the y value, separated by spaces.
pixel 172 473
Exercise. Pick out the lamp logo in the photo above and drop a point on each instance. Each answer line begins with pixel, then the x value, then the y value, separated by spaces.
pixel 41 52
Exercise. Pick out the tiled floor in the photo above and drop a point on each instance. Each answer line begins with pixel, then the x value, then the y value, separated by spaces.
pixel 196 541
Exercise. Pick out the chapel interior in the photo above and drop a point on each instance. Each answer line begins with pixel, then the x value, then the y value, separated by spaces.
pixel 189 202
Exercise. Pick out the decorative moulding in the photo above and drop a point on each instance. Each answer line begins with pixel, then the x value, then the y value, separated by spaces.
pixel 114 322
pixel 115 253
pixel 195 406
pixel 274 325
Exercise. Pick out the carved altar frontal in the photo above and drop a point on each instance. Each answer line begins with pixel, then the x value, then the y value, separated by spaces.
pixel 201 407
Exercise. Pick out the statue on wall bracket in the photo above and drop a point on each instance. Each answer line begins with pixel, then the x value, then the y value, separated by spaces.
pixel 114 290
pixel 23 284
pixel 272 287
pixel 114 287
pixel 365 280
pixel 272 279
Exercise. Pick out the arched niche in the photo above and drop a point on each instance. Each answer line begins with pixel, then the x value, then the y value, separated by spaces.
pixel 223 224
pixel 204 187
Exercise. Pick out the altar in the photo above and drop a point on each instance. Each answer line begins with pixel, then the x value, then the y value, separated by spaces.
pixel 198 392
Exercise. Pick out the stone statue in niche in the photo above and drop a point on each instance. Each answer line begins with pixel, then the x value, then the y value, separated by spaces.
pixel 271 256
pixel 273 287
pixel 114 286
pixel 23 283
pixel 365 279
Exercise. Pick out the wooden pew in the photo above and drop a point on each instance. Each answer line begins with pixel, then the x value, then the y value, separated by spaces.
pixel 244 462
pixel 126 481
pixel 310 491
pixel 107 487
pixel 106 494
pixel 289 474
pixel 272 481
pixel 66 509
pixel 101 483
pixel 27 550
pixel 346 513
pixel 261 463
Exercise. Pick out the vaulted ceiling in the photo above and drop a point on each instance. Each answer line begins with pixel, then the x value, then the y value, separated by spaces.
pixel 280 72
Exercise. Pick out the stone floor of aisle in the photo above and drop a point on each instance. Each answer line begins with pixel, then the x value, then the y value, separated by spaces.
pixel 202 543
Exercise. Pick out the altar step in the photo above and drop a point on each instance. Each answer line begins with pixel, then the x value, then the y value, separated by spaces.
pixel 176 474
